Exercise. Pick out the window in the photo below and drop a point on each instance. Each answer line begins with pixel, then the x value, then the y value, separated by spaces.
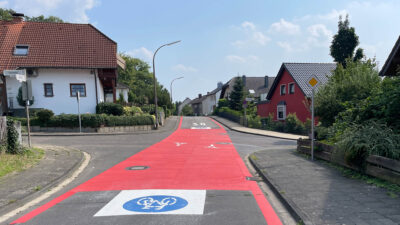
pixel 281 112
pixel 283 89
pixel 291 88
pixel 78 87
pixel 21 50
pixel 48 90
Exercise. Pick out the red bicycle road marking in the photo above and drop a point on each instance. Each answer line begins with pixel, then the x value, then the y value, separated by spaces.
pixel 192 165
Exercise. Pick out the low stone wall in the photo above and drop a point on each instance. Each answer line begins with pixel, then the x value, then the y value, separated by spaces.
pixel 117 129
pixel 376 166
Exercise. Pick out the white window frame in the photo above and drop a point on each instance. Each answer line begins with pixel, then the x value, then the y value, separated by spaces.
pixel 280 90
pixel 281 108
pixel 291 84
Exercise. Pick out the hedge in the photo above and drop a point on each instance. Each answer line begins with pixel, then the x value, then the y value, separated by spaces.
pixel 92 120
pixel 109 108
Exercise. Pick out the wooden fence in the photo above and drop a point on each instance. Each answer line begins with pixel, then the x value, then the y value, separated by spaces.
pixel 376 166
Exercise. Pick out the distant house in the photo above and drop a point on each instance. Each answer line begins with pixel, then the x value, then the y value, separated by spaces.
pixel 290 93
pixel 392 64
pixel 257 86
pixel 204 105
pixel 185 102
pixel 61 59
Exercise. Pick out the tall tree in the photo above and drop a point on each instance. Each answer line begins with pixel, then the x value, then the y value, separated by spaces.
pixel 140 80
pixel 236 96
pixel 345 42
pixel 6 14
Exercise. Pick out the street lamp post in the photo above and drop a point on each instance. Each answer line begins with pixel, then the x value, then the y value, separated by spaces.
pixel 171 85
pixel 155 81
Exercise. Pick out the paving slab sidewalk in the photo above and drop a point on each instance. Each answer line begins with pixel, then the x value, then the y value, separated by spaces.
pixel 320 194
pixel 57 164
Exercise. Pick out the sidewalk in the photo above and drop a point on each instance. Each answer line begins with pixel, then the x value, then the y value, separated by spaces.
pixel 57 164
pixel 237 127
pixel 319 194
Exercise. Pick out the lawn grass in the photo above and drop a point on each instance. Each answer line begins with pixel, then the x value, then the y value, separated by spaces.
pixel 14 163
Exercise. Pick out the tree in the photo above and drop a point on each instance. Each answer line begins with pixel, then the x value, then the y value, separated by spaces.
pixel 140 80
pixel 236 96
pixel 187 110
pixel 346 88
pixel 345 42
pixel 6 14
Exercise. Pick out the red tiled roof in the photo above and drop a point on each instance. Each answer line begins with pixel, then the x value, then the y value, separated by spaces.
pixel 55 45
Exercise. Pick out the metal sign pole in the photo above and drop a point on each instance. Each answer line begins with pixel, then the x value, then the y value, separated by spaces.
pixel 28 122
pixel 312 125
pixel 79 111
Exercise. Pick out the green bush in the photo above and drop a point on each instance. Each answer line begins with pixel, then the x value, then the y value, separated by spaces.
pixel 254 122
pixel 111 121
pixel 109 109
pixel 187 110
pixel 13 146
pixel 132 111
pixel 294 125
pixel 223 102
pixel 372 138
pixel 94 120
pixel 345 88
pixel 44 115
pixel 150 109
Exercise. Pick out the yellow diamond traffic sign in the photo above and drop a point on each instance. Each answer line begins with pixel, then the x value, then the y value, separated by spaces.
pixel 313 82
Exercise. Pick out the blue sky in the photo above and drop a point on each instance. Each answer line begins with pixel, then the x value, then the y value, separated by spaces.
pixel 221 39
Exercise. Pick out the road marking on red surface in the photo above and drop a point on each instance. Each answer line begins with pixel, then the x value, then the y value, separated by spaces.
pixel 177 202
pixel 188 167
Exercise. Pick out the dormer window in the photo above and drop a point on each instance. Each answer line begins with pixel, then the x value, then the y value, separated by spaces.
pixel 21 50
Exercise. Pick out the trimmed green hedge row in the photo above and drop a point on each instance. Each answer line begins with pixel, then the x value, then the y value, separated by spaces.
pixel 90 120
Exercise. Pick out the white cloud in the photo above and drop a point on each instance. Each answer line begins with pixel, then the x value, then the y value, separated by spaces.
pixel 319 30
pixel 285 27
pixel 69 10
pixel 141 53
pixel 3 4
pixel 248 25
pixel 252 36
pixel 332 16
pixel 183 68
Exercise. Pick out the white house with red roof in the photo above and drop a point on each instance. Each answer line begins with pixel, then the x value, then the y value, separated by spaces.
pixel 60 59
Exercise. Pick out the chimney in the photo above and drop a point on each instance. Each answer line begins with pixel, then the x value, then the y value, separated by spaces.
pixel 219 85
pixel 200 95
pixel 244 80
pixel 17 17
pixel 266 81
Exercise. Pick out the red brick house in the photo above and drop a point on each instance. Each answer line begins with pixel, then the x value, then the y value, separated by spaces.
pixel 290 93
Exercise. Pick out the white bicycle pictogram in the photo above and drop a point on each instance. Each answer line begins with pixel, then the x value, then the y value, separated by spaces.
pixel 149 202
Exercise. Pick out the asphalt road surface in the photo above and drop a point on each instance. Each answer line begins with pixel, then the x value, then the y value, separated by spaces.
pixel 193 175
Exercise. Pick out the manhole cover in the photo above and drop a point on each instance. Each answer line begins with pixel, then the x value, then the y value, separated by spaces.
pixel 137 167
pixel 223 143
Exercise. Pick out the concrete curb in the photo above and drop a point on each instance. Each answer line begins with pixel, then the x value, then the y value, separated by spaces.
pixel 245 132
pixel 293 209
pixel 72 134
pixel 52 184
